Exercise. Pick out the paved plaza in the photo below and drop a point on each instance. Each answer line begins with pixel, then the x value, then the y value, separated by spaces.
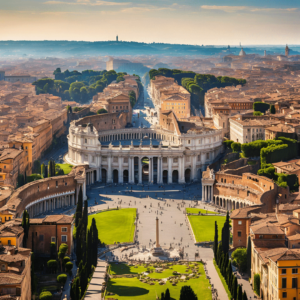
pixel 169 206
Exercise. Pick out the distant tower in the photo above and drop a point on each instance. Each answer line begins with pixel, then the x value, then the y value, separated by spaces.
pixel 287 50
pixel 117 38
pixel 265 53
pixel 242 52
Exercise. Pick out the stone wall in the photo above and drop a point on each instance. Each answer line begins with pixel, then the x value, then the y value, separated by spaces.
pixel 241 166
pixel 39 189
pixel 105 121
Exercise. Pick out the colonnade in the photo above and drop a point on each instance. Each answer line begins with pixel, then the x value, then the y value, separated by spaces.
pixel 207 193
pixel 230 203
pixel 133 171
pixel 50 203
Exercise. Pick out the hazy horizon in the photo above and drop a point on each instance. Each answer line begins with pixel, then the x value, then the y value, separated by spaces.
pixel 183 22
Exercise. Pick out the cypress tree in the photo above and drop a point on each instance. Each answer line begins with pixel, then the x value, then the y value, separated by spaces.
pixel 25 178
pixel 43 171
pixel 187 293
pixel 25 225
pixel 78 213
pixel 219 253
pixel 229 273
pixel 249 256
pixel 234 288
pixel 225 264
pixel 245 296
pixel 226 234
pixel 216 240
pixel 90 253
pixel 239 293
pixel 162 297
pixel 49 169
pixel 95 242
pixel 78 244
pixel 53 168
pixel 167 295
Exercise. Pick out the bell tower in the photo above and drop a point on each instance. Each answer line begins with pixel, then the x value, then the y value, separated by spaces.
pixel 287 50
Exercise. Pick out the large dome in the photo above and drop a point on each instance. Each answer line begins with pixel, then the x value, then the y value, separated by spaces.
pixel 242 52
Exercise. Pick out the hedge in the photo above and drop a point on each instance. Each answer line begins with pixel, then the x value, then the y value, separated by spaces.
pixel 285 180
pixel 267 172
pixel 256 287
pixel 261 106
pixel 275 153
pixel 228 143
pixel 257 113
pixel 253 149
pixel 236 147
pixel 293 145
pixel 45 296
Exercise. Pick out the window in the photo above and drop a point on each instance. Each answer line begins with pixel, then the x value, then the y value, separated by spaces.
pixel 2 267
pixel 53 239
pixel 63 238
pixel 294 283
pixel 41 237
pixel 64 229
pixel 240 222
pixel 261 236
pixel 294 271
pixel 207 155
pixel 85 140
pixel 189 141
pixel 239 233
pixel 283 283
pixel 9 242
pixel 284 295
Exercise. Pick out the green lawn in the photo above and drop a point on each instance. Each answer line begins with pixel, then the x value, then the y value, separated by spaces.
pixel 115 225
pixel 204 227
pixel 133 288
pixel 197 210
pixel 67 168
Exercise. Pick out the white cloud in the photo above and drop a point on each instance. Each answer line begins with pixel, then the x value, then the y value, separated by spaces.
pixel 231 9
pixel 87 2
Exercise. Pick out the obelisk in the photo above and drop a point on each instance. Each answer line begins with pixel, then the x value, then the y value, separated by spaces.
pixel 157 233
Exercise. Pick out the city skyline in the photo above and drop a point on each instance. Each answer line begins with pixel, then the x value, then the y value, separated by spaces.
pixel 204 22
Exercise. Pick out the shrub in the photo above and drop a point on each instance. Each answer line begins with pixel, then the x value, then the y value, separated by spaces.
pixel 45 296
pixel 274 153
pixel 257 113
pixel 236 147
pixel 62 278
pixel 272 109
pixel 33 177
pixel 253 149
pixel 239 258
pixel 69 266
pixel 228 143
pixel 256 286
pixel 267 172
pixel 101 111
pixel 66 259
pixel 52 265
pixel 293 145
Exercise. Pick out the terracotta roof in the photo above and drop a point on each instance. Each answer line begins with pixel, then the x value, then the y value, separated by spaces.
pixel 294 237
pixel 10 278
pixel 242 213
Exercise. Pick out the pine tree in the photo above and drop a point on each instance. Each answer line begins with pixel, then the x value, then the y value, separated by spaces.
pixel 78 213
pixel 249 256
pixel 167 295
pixel 216 240
pixel 245 296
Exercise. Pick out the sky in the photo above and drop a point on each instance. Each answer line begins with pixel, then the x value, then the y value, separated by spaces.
pixel 196 22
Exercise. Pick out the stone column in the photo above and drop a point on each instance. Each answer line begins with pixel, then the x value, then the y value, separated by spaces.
pixel 158 169
pixel 203 192
pixel 132 169
pixel 152 170
pixel 84 191
pixel 109 179
pixel 129 169
pixel 182 172
pixel 194 167
pixel 140 170
pixel 121 169
pixel 170 159
pixel 157 233
pixel 212 193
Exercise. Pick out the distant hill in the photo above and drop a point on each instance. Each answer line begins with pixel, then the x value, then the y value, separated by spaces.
pixel 73 48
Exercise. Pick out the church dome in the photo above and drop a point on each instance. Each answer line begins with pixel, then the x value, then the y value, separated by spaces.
pixel 242 52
